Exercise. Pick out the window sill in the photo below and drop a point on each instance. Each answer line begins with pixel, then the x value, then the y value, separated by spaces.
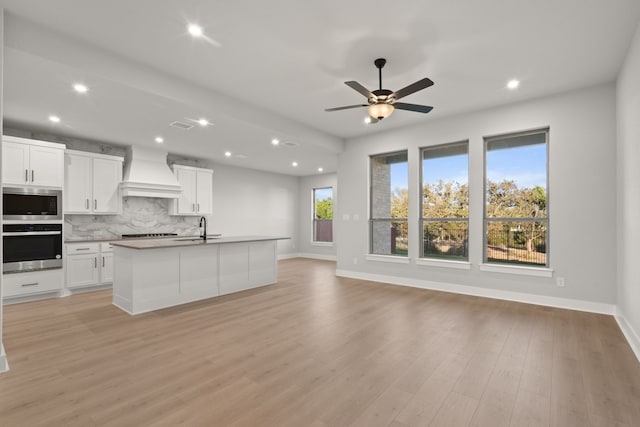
pixel 521 270
pixel 321 243
pixel 388 258
pixel 445 263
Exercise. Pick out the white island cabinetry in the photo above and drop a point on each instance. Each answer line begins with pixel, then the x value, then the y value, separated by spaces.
pixel 150 275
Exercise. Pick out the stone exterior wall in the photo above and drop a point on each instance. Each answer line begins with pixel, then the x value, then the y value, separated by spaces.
pixel 380 205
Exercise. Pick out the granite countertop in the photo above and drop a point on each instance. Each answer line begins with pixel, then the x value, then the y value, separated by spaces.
pixel 190 241
pixel 89 239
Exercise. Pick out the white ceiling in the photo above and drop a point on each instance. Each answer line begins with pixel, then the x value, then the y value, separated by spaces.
pixel 269 69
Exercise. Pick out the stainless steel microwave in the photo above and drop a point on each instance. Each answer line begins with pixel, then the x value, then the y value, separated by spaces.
pixel 31 204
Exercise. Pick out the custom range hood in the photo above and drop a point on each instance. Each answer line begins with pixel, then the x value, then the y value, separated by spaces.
pixel 147 174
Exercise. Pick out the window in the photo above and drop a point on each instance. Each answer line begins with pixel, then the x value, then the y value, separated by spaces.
pixel 516 221
pixel 323 214
pixel 389 200
pixel 445 201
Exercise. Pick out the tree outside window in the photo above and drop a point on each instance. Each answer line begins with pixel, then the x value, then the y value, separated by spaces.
pixel 445 201
pixel 323 214
pixel 516 205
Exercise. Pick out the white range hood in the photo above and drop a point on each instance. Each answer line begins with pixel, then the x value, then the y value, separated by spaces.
pixel 147 174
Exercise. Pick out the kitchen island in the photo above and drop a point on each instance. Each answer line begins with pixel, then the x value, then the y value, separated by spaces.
pixel 159 273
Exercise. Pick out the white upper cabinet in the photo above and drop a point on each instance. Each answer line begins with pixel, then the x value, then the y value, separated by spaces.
pixel 28 162
pixel 92 183
pixel 197 191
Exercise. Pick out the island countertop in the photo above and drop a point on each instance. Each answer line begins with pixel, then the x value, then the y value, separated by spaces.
pixel 191 241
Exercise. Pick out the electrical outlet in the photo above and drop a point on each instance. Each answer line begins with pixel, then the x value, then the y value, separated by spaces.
pixel 560 282
pixel 355 260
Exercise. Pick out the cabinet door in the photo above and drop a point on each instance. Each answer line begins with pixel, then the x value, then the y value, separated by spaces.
pixel 47 166
pixel 107 175
pixel 15 163
pixel 77 186
pixel 204 193
pixel 106 268
pixel 82 270
pixel 187 201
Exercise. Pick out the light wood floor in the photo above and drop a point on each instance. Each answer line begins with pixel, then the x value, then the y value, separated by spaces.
pixel 317 351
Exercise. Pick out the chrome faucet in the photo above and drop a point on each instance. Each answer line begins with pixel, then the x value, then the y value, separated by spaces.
pixel 203 231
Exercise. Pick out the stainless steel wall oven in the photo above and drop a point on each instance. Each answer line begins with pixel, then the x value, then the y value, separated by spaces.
pixel 28 247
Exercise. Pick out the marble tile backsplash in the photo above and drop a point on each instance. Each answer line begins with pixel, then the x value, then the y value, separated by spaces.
pixel 139 215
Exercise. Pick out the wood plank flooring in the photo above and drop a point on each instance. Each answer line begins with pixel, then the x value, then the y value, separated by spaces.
pixel 320 351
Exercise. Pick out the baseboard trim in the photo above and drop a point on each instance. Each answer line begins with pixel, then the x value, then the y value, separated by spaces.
pixel 570 304
pixel 4 364
pixel 308 255
pixel 318 256
pixel 629 333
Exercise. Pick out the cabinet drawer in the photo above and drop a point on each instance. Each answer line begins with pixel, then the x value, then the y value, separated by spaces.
pixel 82 248
pixel 35 282
pixel 106 247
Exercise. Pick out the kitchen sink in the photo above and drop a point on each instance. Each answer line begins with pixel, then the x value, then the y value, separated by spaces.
pixel 195 239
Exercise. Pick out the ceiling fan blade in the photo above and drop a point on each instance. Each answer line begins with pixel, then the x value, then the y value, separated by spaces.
pixel 347 107
pixel 412 88
pixel 361 89
pixel 413 107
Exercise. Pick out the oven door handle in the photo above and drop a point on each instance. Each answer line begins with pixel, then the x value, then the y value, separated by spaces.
pixel 30 233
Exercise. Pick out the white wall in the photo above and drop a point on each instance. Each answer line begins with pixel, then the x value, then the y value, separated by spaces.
pixel 305 232
pixel 249 202
pixel 3 358
pixel 628 114
pixel 582 199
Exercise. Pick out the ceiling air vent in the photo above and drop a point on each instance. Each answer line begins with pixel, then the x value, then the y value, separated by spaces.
pixel 181 125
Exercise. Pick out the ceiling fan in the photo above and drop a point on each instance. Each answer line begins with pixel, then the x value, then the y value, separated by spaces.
pixel 382 102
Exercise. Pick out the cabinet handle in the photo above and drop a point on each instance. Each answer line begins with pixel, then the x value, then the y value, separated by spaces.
pixel 87 203
pixel 26 175
pixel 95 204
pixel 103 261
pixel 193 207
pixel 29 284
pixel 95 262
pixel 198 207
pixel 33 175
pixel 82 249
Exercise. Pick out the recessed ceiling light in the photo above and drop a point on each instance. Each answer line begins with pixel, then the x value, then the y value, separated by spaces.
pixel 195 30
pixel 227 153
pixel 159 139
pixel 275 141
pixel 80 88
pixel 513 84
pixel 320 169
pixel 294 164
pixel 203 122
pixel 367 120
pixel 54 119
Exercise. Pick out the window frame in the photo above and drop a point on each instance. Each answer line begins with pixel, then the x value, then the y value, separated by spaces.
pixel 421 220
pixel 371 255
pixel 512 267
pixel 314 219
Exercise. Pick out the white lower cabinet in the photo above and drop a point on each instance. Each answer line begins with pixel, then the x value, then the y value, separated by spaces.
pixel 88 264
pixel 31 283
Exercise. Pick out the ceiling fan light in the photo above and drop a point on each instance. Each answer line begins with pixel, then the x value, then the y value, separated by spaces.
pixel 380 110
